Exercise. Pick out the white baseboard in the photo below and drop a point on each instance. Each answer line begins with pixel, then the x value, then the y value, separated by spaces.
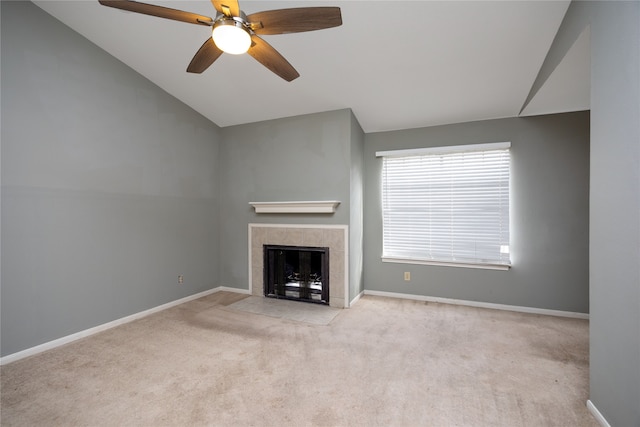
pixel 479 304
pixel 596 414
pixel 355 300
pixel 236 290
pixel 91 331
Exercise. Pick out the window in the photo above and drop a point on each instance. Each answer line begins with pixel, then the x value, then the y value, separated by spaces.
pixel 447 205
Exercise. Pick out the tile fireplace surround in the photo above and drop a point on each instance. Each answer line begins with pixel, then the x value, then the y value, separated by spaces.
pixel 332 236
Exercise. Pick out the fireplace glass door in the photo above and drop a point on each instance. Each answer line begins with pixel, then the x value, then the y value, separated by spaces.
pixel 295 272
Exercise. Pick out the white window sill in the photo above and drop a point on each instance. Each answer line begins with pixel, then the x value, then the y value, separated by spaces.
pixel 502 267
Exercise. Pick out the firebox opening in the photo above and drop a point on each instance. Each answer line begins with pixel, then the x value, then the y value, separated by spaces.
pixel 297 272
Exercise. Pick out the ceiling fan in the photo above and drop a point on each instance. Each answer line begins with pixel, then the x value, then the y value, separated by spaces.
pixel 235 32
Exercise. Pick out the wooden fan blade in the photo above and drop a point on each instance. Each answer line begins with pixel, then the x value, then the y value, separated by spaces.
pixel 227 7
pixel 296 20
pixel 265 54
pixel 159 11
pixel 204 57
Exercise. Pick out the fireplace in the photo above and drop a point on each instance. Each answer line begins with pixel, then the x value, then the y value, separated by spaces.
pixel 296 272
pixel 333 237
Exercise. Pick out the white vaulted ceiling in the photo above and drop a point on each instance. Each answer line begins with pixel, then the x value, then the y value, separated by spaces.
pixel 396 64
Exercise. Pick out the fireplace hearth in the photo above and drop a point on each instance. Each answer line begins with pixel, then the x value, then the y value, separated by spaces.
pixel 297 272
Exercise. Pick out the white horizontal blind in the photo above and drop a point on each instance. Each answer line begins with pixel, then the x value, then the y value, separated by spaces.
pixel 447 207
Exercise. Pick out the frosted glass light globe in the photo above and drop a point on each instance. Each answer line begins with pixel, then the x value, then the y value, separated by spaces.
pixel 230 37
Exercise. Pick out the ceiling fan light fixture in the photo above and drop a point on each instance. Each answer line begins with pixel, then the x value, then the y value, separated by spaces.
pixel 230 36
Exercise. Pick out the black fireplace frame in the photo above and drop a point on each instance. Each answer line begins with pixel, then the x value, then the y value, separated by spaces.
pixel 275 284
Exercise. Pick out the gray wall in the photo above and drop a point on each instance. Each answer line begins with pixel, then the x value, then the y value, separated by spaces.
pixel 615 211
pixel 108 186
pixel 298 158
pixel 614 200
pixel 549 215
pixel 356 229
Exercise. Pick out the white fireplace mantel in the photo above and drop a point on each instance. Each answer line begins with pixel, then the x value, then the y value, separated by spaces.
pixel 327 206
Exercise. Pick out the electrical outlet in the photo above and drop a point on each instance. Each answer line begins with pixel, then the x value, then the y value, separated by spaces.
pixel 407 276
pixel 180 279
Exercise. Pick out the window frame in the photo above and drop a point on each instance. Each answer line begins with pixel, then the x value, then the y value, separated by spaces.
pixel 446 150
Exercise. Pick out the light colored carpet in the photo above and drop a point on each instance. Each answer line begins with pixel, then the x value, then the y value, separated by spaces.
pixel 286 309
pixel 384 362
